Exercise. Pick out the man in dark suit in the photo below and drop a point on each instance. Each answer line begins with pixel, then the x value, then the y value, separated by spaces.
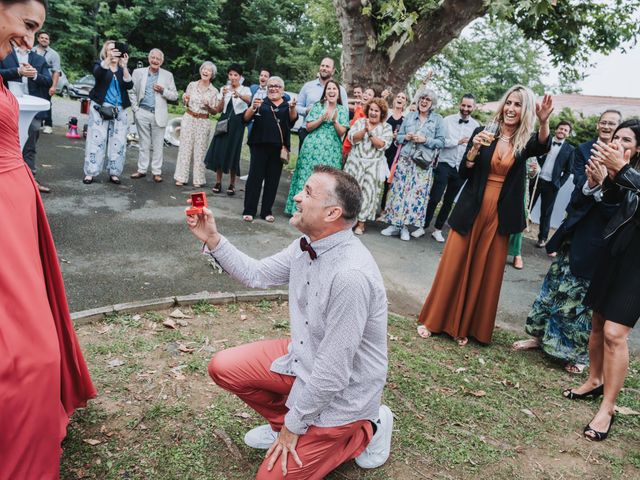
pixel 555 169
pixel 28 67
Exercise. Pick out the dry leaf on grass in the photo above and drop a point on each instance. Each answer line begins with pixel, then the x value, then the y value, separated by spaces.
pixel 184 349
pixel 243 317
pixel 528 412
pixel 92 441
pixel 169 323
pixel 243 415
pixel 460 370
pixel 177 313
pixel 116 362
pixel 105 329
pixel 626 411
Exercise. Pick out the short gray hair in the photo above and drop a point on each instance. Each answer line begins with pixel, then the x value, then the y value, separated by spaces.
pixel 211 66
pixel 426 92
pixel 276 80
pixel 157 50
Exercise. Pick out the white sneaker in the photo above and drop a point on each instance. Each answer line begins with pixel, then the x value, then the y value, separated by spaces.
pixel 47 129
pixel 418 233
pixel 390 231
pixel 378 450
pixel 261 437
pixel 404 234
pixel 437 236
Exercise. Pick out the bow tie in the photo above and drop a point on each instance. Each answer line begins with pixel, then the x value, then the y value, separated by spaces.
pixel 463 121
pixel 556 143
pixel 306 247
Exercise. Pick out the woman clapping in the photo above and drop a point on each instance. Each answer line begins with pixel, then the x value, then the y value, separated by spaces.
pixel 613 293
pixel 369 137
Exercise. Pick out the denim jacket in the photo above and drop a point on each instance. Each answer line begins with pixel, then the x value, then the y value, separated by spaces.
pixel 432 129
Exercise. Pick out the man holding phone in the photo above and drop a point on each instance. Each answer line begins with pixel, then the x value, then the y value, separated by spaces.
pixel 152 88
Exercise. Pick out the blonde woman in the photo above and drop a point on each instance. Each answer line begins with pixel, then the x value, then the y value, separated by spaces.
pixel 200 99
pixel 464 295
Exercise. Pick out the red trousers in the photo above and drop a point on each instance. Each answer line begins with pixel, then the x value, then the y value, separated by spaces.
pixel 245 372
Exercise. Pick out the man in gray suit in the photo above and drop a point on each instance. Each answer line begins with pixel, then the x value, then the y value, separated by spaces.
pixel 152 87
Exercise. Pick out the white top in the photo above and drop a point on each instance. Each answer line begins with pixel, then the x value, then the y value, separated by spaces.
pixel 452 153
pixel 239 105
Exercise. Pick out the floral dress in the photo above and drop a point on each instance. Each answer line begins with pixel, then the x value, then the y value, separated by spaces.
pixel 369 166
pixel 322 146
pixel 194 135
pixel 409 193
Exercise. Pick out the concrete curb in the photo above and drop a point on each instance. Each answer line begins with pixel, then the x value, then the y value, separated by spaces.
pixel 215 298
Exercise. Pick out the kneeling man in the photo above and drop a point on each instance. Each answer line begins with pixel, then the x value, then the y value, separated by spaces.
pixel 320 389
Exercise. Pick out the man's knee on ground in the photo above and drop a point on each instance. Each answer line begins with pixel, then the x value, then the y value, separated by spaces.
pixel 218 367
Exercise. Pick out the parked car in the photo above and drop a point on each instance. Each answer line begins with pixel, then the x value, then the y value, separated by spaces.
pixel 62 88
pixel 82 87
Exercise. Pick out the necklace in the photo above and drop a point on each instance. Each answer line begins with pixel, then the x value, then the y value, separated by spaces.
pixel 506 138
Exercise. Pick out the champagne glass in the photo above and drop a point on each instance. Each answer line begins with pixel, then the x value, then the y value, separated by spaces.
pixel 491 130
pixel 260 96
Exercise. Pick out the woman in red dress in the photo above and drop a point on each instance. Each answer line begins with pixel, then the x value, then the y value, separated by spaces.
pixel 43 376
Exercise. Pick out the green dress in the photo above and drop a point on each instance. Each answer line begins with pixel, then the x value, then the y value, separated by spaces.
pixel 322 146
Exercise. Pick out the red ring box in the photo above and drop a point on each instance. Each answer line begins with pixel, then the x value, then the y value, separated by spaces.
pixel 198 202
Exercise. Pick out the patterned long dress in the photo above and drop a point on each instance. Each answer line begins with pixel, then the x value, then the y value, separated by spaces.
pixel 409 193
pixel 369 166
pixel 194 135
pixel 322 146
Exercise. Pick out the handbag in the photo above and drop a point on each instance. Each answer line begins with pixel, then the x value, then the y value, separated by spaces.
pixel 107 112
pixel 284 151
pixel 222 127
pixel 424 159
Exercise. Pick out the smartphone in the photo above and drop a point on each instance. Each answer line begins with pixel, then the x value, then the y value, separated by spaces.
pixel 122 47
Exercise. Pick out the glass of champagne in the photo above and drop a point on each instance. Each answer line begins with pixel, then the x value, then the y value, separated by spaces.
pixel 259 96
pixel 490 130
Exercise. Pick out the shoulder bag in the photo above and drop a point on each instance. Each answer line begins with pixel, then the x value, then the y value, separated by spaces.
pixel 284 152
pixel 222 127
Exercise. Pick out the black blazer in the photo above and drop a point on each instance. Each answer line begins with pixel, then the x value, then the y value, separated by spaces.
pixel 103 78
pixel 581 155
pixel 511 214
pixel 38 87
pixel 563 166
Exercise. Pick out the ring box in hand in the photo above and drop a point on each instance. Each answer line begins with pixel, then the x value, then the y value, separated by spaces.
pixel 198 202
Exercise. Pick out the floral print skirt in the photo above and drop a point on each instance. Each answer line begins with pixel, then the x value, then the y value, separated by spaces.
pixel 558 317
pixel 409 195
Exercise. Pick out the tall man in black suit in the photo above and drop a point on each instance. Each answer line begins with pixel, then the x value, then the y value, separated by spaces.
pixel 28 67
pixel 555 168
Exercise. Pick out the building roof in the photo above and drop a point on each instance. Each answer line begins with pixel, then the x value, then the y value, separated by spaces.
pixel 587 104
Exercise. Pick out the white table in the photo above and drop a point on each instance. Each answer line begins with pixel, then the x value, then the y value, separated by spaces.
pixel 29 106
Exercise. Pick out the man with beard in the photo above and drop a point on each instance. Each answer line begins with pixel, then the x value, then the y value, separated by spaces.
pixel 320 389
pixel 311 92
pixel 556 167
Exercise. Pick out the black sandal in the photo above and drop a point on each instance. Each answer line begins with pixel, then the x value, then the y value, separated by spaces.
pixel 597 436
pixel 87 180
pixel 595 393
pixel 114 179
pixel 217 188
pixel 231 189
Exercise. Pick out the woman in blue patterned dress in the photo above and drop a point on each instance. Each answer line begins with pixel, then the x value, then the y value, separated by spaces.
pixel 327 123
pixel 422 131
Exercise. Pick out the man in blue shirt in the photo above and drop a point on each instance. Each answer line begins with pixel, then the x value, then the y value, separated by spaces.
pixel 311 93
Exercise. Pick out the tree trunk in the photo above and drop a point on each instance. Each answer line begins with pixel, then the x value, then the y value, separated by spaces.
pixel 382 66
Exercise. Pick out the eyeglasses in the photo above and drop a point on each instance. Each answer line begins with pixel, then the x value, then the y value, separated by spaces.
pixel 274 86
pixel 426 99
pixel 608 124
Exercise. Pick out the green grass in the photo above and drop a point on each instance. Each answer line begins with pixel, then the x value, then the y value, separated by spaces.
pixel 468 412
pixel 204 308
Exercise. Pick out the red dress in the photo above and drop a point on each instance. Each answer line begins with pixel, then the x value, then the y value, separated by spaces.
pixel 43 376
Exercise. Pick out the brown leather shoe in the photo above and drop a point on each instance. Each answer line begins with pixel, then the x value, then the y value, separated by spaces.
pixel 157 178
pixel 138 175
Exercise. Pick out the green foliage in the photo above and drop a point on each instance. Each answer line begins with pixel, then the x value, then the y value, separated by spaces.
pixel 493 57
